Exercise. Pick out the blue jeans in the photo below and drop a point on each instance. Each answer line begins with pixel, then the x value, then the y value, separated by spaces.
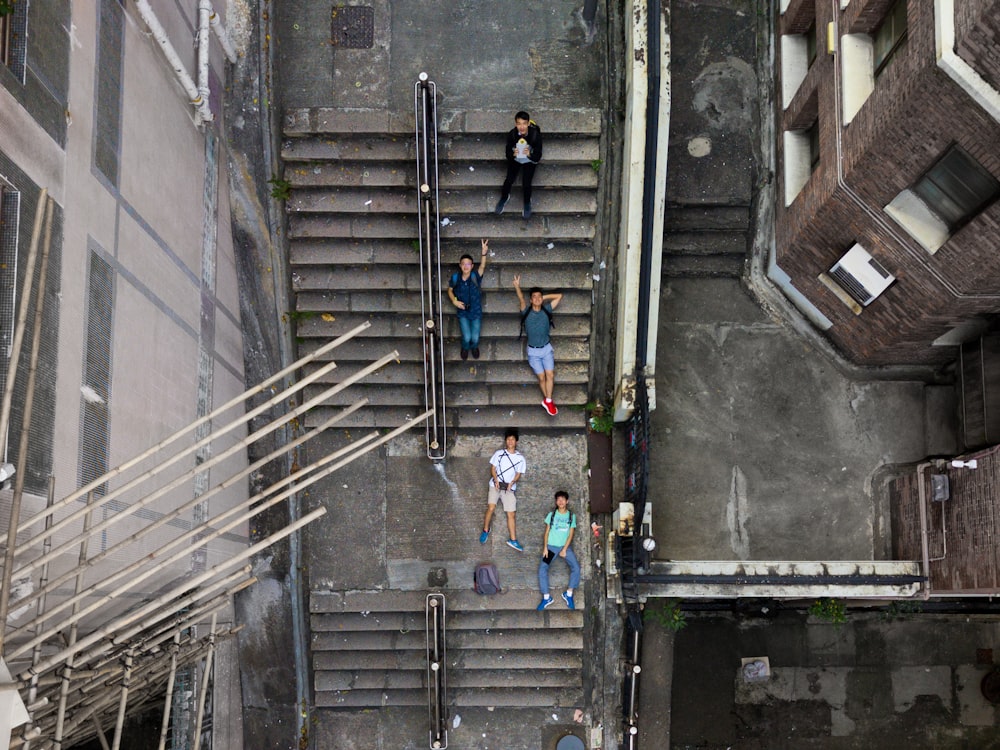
pixel 574 569
pixel 470 332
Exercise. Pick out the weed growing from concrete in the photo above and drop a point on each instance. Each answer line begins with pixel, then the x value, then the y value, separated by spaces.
pixel 829 610
pixel 281 190
pixel 667 614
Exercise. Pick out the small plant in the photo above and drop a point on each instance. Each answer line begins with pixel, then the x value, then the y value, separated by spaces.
pixel 281 190
pixel 668 615
pixel 7 7
pixel 596 165
pixel 899 610
pixel 829 610
pixel 602 423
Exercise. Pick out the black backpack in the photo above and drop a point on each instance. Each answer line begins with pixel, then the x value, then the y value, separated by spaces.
pixel 524 316
pixel 486 580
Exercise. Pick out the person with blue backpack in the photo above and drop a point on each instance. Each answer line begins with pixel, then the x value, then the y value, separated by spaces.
pixel 465 289
pixel 560 527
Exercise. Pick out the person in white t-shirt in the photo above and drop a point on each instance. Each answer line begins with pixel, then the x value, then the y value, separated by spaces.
pixel 507 466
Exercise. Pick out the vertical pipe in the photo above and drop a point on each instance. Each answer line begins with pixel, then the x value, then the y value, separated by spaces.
pixel 204 13
pixel 168 701
pixel 204 684
pixel 45 206
pixel 68 669
pixel 123 701
pixel 36 653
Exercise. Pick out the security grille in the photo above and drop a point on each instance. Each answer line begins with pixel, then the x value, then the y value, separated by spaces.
pixel 96 391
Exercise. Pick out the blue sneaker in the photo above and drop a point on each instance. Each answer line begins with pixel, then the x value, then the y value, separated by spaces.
pixel 568 598
pixel 483 537
pixel 515 544
pixel 547 601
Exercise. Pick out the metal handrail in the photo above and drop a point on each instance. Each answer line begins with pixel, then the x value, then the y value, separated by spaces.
pixel 431 307
pixel 437 673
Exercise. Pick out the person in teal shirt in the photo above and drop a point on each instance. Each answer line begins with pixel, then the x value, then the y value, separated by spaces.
pixel 560 527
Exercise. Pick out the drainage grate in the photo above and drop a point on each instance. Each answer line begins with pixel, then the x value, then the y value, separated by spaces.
pixel 353 27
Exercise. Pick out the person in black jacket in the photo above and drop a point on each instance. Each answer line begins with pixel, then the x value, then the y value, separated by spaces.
pixel 524 151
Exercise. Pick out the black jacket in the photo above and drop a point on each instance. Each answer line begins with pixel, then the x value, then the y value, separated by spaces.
pixel 534 139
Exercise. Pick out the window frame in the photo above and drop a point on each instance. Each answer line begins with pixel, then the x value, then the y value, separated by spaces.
pixel 6 25
pixel 956 210
pixel 896 15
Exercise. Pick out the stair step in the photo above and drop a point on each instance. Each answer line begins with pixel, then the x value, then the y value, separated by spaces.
pixel 458 600
pixel 382 679
pixel 377 640
pixel 473 226
pixel 348 622
pixel 459 395
pixel 344 174
pixel 452 150
pixel 408 372
pixel 388 252
pixel 498 302
pixel 359 280
pixel 529 416
pixel 703 265
pixel 704 243
pixel 458 659
pixel 461 697
pixel 336 120
pixel 404 325
pixel 510 348
pixel 451 203
pixel 706 218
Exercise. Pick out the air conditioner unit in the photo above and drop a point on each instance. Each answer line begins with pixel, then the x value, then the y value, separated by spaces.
pixel 861 276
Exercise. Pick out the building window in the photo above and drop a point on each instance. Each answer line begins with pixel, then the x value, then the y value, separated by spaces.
pixel 957 187
pixel 811 45
pixel 890 36
pixel 13 24
pixel 813 133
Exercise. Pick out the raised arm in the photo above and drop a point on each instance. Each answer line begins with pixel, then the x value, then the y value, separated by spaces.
pixel 553 299
pixel 482 263
pixel 517 288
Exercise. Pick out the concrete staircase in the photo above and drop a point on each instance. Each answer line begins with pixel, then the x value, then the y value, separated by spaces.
pixel 369 650
pixel 705 241
pixel 352 226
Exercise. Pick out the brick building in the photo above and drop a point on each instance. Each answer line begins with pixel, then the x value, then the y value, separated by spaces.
pixel 889 172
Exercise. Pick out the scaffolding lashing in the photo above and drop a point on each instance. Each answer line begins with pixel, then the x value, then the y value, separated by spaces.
pixel 425 116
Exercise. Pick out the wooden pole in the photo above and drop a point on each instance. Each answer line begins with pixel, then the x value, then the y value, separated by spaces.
pixel 204 685
pixel 168 701
pixel 29 402
pixel 123 703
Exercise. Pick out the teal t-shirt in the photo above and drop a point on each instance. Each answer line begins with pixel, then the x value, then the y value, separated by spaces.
pixel 559 525
pixel 536 326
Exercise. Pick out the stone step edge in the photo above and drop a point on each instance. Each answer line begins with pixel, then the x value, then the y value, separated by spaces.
pixel 316 120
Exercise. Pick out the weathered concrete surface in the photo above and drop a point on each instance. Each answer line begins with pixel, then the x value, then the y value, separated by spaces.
pixel 763 449
pixel 911 682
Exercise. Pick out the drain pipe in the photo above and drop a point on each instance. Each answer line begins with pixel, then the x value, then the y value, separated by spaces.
pixel 203 113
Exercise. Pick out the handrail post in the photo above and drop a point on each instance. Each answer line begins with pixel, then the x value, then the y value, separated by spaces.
pixel 425 116
pixel 437 678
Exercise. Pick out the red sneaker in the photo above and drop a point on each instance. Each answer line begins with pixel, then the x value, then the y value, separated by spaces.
pixel 550 407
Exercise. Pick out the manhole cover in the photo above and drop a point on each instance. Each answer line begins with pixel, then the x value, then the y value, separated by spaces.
pixel 353 27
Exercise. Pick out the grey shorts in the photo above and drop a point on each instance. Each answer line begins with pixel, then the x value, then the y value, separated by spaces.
pixel 507 496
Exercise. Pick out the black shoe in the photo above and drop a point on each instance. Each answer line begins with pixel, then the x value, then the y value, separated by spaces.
pixel 526 213
pixel 500 205
pixel 475 352
pixel 465 354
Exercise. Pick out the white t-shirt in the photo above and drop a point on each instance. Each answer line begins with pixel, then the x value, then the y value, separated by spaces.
pixel 508 465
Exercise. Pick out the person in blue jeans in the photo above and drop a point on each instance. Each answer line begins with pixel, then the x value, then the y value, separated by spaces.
pixel 560 527
pixel 465 292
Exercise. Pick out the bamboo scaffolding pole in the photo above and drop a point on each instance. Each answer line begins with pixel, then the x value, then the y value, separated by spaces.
pixel 135 578
pixel 73 631
pixel 200 716
pixel 176 513
pixel 169 440
pixel 36 653
pixel 123 703
pixel 22 321
pixel 147 683
pixel 28 408
pixel 270 427
pixel 186 451
pixel 109 631
pixel 100 731
pixel 169 698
